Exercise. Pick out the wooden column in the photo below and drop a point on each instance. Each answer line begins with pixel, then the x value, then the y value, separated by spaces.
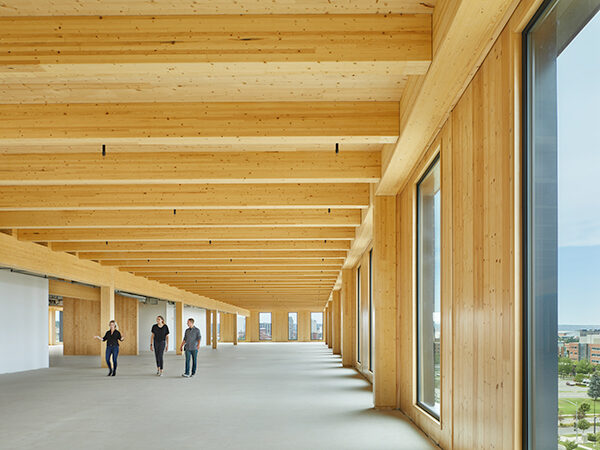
pixel 385 377
pixel 179 327
pixel 214 328
pixel 107 313
pixel 348 318
pixel 336 319
pixel 235 332
pixel 208 326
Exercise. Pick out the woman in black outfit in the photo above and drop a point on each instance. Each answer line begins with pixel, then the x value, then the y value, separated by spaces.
pixel 112 338
pixel 159 342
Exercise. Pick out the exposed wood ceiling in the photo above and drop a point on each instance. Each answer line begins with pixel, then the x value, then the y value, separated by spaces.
pixel 194 142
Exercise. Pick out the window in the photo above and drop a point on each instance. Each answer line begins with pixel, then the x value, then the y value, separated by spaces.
pixel 371 312
pixel 264 326
pixel 241 328
pixel 561 212
pixel 316 326
pixel 428 289
pixel 358 317
pixel 292 326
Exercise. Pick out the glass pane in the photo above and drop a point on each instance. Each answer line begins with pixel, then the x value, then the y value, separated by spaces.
pixel 264 326
pixel 316 326
pixel 428 289
pixel 358 317
pixel 371 312
pixel 241 328
pixel 563 225
pixel 293 326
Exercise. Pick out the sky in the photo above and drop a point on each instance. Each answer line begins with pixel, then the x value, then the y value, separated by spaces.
pixel 579 178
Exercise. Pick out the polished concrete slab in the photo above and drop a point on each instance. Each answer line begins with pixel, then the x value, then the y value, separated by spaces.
pixel 253 396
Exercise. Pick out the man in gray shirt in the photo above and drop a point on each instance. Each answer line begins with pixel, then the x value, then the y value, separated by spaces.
pixel 191 344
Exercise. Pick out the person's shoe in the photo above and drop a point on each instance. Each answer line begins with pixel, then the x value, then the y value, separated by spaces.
pixel 186 375
pixel 192 375
pixel 109 373
pixel 160 373
pixel 157 371
pixel 114 373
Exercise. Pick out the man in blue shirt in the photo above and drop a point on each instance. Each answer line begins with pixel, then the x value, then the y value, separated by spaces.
pixel 191 344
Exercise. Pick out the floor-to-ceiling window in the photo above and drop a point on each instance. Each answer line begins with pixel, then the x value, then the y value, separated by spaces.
pixel 562 226
pixel 371 312
pixel 241 328
pixel 293 326
pixel 428 289
pixel 264 326
pixel 316 326
pixel 358 317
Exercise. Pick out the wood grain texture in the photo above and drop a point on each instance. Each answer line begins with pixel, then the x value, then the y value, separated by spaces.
pixel 336 322
pixel 385 270
pixel 190 168
pixel 152 7
pixel 188 196
pixel 181 123
pixel 479 301
pixel 348 322
pixel 216 38
pixel 81 322
pixel 126 315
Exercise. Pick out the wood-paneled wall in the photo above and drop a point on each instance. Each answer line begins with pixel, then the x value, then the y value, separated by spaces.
pixel 479 307
pixel 228 327
pixel 81 322
pixel 126 315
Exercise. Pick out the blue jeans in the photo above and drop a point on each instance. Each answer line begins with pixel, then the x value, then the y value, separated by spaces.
pixel 114 351
pixel 194 355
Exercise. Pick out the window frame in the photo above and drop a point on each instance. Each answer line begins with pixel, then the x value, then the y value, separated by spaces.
pixel 371 312
pixel 311 320
pixel 431 165
pixel 358 317
pixel 296 338
pixel 238 328
pixel 270 338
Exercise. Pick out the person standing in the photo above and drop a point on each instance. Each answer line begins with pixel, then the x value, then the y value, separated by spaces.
pixel 159 342
pixel 191 343
pixel 112 338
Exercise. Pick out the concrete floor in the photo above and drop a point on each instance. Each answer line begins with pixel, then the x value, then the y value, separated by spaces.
pixel 253 396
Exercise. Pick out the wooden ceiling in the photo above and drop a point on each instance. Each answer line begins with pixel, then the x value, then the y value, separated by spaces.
pixel 227 148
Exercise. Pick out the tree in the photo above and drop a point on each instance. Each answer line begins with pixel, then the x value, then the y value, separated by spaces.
pixel 594 392
pixel 565 367
pixel 584 366
pixel 583 409
pixel 583 425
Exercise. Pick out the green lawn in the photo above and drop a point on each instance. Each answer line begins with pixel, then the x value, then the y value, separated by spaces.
pixel 567 408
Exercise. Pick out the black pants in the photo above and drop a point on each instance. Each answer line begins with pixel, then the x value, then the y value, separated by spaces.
pixel 159 351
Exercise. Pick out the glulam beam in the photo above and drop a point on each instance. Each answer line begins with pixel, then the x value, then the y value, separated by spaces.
pixel 199 123
pixel 170 39
pixel 175 197
pixel 192 167
pixel 231 246
pixel 228 258
pixel 183 218
pixel 168 234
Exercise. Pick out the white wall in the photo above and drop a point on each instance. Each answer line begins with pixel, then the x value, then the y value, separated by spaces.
pixel 147 317
pixel 199 316
pixel 24 332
